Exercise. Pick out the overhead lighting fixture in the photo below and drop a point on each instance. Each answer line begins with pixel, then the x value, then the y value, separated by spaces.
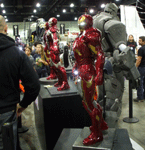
pixel 72 5
pixel 32 16
pixel 91 11
pixel 103 6
pixel 58 15
pixel 117 0
pixel 38 5
pixel 3 11
pixel 64 10
pixel 6 20
pixel 34 10
pixel 75 18
pixel 5 16
pixel 2 5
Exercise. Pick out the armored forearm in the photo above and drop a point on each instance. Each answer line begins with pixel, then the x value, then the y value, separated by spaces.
pixel 99 67
pixel 126 61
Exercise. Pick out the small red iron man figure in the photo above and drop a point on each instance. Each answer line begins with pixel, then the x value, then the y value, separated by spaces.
pixel 52 52
pixel 89 62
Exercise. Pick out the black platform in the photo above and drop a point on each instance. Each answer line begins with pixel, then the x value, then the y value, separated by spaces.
pixel 55 112
pixel 44 81
pixel 69 139
pixel 54 92
pixel 107 143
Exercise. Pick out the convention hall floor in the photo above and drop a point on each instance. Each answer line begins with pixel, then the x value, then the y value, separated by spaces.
pixel 29 140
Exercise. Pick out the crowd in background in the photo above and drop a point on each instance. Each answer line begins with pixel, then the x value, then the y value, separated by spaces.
pixel 40 64
pixel 140 64
pixel 38 58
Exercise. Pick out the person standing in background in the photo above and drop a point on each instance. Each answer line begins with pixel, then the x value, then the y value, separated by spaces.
pixel 34 51
pixel 28 51
pixel 41 63
pixel 132 44
pixel 140 64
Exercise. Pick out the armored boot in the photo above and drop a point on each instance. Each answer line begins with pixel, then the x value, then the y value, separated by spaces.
pixel 96 131
pixel 59 76
pixel 52 74
pixel 64 86
pixel 62 79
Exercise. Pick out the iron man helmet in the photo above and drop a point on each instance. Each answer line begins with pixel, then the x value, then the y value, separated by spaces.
pixel 85 22
pixel 52 21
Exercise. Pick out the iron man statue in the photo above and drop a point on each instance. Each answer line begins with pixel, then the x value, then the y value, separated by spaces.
pixel 52 52
pixel 89 62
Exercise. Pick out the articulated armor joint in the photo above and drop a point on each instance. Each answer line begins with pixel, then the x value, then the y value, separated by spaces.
pixel 127 60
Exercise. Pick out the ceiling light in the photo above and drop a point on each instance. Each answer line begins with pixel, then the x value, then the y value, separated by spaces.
pixel 103 6
pixel 38 5
pixel 5 16
pixel 75 18
pixel 32 16
pixel 34 10
pixel 64 10
pixel 2 5
pixel 91 11
pixel 4 11
pixel 117 0
pixel 72 5
pixel 58 15
pixel 6 20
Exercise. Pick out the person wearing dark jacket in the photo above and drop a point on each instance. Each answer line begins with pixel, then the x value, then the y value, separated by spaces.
pixel 14 66
pixel 140 64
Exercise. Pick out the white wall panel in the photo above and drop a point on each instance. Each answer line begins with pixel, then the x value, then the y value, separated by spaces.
pixel 130 17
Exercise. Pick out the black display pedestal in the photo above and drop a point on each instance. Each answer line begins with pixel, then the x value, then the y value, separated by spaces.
pixel 57 110
pixel 69 138
pixel 130 119
pixel 107 143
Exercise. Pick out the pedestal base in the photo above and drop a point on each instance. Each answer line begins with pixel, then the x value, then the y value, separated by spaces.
pixel 106 144
pixel 44 81
pixel 54 92
pixel 131 120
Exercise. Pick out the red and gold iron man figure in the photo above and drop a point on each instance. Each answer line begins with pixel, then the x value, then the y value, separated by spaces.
pixel 89 62
pixel 52 52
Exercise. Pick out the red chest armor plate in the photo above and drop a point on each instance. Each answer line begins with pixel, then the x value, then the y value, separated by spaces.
pixel 82 52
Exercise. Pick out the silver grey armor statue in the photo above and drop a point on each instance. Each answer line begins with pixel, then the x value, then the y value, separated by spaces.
pixel 114 39
pixel 40 29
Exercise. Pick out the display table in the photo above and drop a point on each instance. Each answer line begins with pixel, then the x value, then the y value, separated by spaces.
pixel 56 110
